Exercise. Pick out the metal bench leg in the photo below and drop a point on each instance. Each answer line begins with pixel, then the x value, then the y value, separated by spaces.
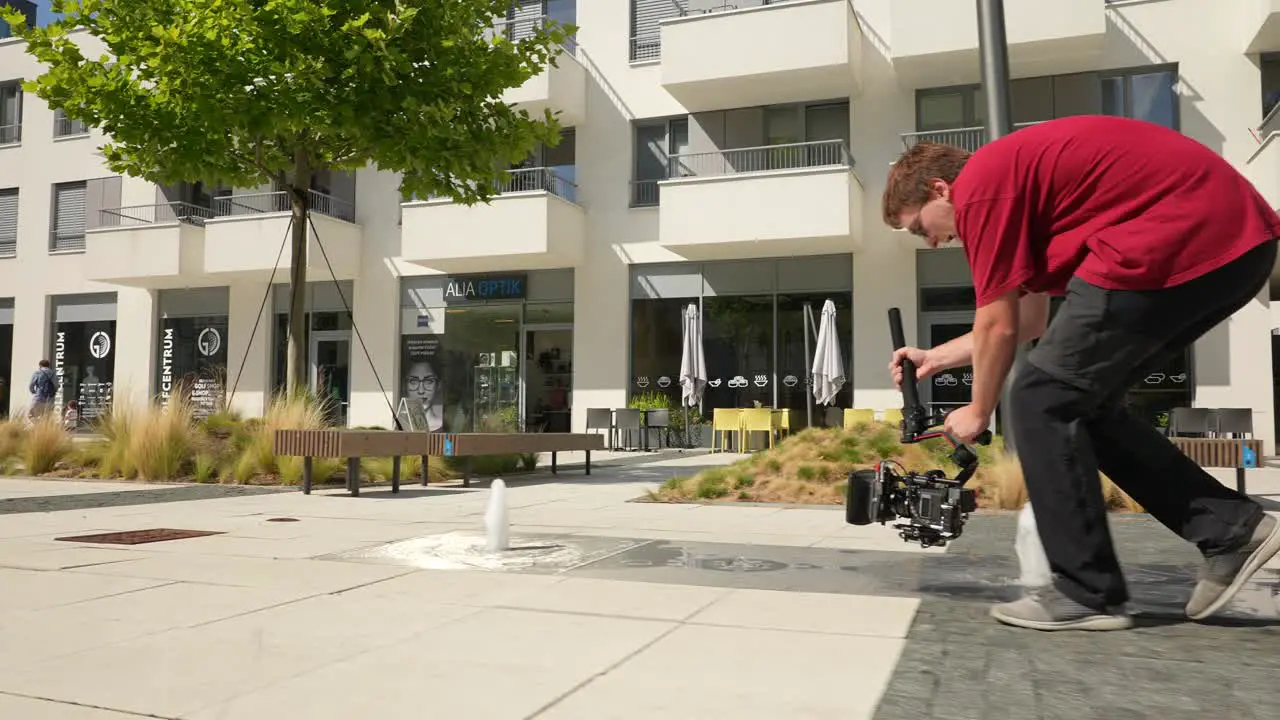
pixel 588 462
pixel 353 476
pixel 395 474
pixel 306 475
pixel 424 470
pixel 1240 480
pixel 466 472
pixel 553 462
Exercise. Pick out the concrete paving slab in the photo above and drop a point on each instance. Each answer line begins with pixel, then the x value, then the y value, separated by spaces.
pixel 304 577
pixel 31 556
pixel 180 672
pixel 713 672
pixel 35 590
pixel 35 635
pixel 619 598
pixel 453 587
pixel 23 708
pixel 496 663
pixel 811 612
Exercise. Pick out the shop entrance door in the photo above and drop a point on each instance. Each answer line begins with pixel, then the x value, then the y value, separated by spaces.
pixel 7 381
pixel 547 377
pixel 331 371
pixel 949 389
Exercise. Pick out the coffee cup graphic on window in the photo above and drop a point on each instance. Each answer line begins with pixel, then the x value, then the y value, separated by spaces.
pixel 761 380
pixel 791 381
pixel 664 381
pixel 642 381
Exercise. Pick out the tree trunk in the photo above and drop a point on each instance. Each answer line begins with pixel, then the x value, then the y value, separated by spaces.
pixel 300 202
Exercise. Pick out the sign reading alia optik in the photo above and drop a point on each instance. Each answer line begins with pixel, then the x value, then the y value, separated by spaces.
pixel 485 287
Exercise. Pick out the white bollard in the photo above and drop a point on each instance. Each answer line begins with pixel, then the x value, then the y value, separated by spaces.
pixel 495 518
pixel 1031 557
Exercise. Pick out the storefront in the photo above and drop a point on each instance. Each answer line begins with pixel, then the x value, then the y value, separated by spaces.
pixel 486 352
pixel 754 329
pixel 947 306
pixel 83 352
pixel 191 348
pixel 328 341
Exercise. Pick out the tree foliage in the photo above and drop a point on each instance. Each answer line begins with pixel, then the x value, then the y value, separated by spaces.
pixel 245 91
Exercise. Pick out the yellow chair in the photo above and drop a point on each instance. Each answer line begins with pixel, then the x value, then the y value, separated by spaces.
pixel 855 416
pixel 893 416
pixel 783 418
pixel 724 420
pixel 756 420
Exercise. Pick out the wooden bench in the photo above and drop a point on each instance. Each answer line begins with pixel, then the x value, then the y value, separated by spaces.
pixel 356 444
pixel 1220 453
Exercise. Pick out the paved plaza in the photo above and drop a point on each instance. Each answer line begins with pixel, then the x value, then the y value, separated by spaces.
pixel 387 606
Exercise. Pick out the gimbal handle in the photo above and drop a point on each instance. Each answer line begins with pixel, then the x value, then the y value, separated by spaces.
pixel 916 420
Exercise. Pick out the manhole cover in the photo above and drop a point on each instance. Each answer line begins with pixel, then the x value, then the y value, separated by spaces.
pixel 138 537
pixel 282 519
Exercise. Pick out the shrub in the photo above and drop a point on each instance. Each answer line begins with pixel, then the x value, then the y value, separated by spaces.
pixel 160 441
pixel 47 443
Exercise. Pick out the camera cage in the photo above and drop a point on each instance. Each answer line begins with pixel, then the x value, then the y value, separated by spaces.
pixel 935 506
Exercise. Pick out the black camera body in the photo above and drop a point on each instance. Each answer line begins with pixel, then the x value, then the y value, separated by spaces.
pixel 933 507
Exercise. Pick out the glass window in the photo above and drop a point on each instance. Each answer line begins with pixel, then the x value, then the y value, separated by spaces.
pixel 737 334
pixel 782 125
pixel 1270 67
pixel 478 368
pixel 794 364
pixel 1113 96
pixel 1154 98
pixel 192 361
pixel 84 360
pixel 548 313
pixel 941 111
pixel 657 337
pixel 651 160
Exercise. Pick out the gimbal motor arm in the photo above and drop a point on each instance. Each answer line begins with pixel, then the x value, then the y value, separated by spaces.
pixel 917 421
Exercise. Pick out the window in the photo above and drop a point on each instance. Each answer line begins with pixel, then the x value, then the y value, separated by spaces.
pixel 10 112
pixel 655 143
pixel 1147 94
pixel 9 222
pixel 64 126
pixel 657 335
pixel 1270 66
pixel 646 34
pixel 69 214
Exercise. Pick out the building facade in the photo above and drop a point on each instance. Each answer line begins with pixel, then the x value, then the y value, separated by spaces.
pixel 725 156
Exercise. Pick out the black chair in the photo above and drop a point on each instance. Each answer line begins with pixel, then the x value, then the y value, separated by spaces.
pixel 601 419
pixel 1189 422
pixel 1232 422
pixel 659 420
pixel 833 417
pixel 627 420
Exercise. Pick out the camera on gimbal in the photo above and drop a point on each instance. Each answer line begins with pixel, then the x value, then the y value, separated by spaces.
pixel 933 506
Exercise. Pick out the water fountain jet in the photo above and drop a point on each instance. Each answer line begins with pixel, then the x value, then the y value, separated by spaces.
pixel 496 522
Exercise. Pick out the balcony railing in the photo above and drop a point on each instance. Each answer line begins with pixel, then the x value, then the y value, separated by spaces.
pixel 1271 123
pixel 521 28
pixel 970 138
pixel 69 127
pixel 10 134
pixel 535 179
pixel 739 161
pixel 648 45
pixel 279 201
pixel 161 213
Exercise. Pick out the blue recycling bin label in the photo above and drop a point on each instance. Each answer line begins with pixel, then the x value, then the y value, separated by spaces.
pixel 1250 458
pixel 448 447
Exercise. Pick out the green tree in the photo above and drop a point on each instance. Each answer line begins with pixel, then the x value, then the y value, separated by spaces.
pixel 244 92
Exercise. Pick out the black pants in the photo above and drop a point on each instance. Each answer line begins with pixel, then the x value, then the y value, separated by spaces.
pixel 1070 421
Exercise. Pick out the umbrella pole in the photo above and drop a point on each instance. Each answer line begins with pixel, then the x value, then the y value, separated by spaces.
pixel 808 368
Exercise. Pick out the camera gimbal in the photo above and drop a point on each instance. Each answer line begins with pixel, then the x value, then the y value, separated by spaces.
pixel 934 506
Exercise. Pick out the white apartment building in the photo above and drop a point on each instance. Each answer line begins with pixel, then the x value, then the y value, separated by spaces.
pixel 726 155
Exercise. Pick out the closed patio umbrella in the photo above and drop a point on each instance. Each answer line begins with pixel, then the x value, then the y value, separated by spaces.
pixel 828 365
pixel 693 364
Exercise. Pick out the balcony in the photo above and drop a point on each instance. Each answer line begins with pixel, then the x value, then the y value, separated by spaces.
pixel 801 199
pixel 534 224
pixel 935 42
pixel 1262 25
pixel 970 138
pixel 147 245
pixel 247 233
pixel 562 87
pixel 737 56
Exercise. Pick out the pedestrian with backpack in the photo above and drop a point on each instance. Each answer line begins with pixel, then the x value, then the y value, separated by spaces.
pixel 43 388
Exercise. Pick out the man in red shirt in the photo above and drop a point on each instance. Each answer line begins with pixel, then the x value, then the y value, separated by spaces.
pixel 1153 239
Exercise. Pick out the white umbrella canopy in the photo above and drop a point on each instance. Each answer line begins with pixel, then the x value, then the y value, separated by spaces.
pixel 693 362
pixel 828 365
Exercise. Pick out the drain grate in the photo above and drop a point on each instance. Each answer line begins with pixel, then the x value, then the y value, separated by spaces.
pixel 282 519
pixel 138 537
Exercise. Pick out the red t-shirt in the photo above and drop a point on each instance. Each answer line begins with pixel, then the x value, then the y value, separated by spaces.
pixel 1123 204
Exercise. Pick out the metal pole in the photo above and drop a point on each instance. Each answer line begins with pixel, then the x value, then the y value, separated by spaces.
pixel 808 368
pixel 993 50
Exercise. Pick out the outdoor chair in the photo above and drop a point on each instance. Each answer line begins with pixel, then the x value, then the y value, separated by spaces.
pixel 1189 422
pixel 601 419
pixel 893 416
pixel 1233 422
pixel 659 420
pixel 627 421
pixel 856 416
pixel 724 420
pixel 756 420
pixel 833 417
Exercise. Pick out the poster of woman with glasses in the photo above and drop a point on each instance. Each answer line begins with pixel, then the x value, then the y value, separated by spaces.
pixel 421 360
